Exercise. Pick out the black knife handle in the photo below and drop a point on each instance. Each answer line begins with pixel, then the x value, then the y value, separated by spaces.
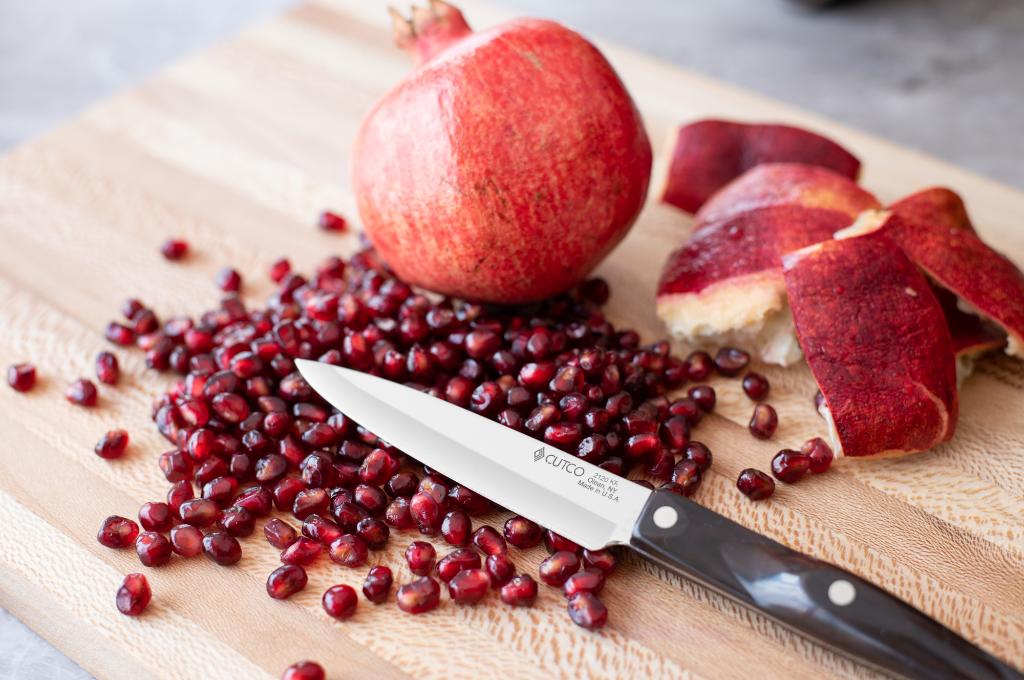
pixel 807 595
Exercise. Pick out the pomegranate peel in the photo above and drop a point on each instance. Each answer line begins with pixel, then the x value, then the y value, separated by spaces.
pixel 708 154
pixel 506 166
pixel 877 344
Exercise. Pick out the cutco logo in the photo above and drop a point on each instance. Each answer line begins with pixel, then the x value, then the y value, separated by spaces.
pixel 557 461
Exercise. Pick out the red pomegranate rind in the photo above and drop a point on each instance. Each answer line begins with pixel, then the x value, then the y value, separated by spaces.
pixel 937 205
pixel 728 276
pixel 775 184
pixel 876 341
pixel 709 154
pixel 958 260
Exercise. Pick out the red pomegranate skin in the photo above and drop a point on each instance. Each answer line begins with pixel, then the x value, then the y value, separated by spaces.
pixel 506 166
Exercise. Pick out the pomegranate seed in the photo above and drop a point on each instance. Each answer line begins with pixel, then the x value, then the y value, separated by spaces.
pixel 687 475
pixel 397 514
pixel 402 484
pixel 371 499
pixel 309 502
pixel 675 432
pixel 522 533
pixel 790 466
pixel 153 549
pixel 705 397
pixel 377 584
pixel 420 557
pixel 304 670
pixel 229 280
pixel 279 533
pixel 287 580
pixel 330 221
pixel 117 532
pixel 255 499
pixel 426 512
pixel 456 527
pixel 521 591
pixel 500 568
pixel 238 522
pixel 730 361
pixel 604 560
pixel 763 422
pixel 374 532
pixel 199 512
pixel 755 484
pixel 456 561
pixel 587 611
pixel 119 334
pixel 469 586
pixel 340 601
pixel 818 453
pixel 156 516
pixel 112 445
pixel 81 392
pixel 756 386
pixel 589 580
pixel 320 529
pixel 554 542
pixel 174 249
pixel 21 377
pixel 222 548
pixel 186 540
pixel 279 270
pixel 348 550
pixel 698 365
pixel 489 541
pixel 179 492
pixel 303 552
pixel 558 567
pixel 419 596
pixel 134 595
pixel 642 446
pixel 699 454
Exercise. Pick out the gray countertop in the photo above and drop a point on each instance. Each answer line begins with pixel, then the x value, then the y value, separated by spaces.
pixel 943 76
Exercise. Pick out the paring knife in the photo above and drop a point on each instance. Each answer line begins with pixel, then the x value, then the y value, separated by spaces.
pixel 597 509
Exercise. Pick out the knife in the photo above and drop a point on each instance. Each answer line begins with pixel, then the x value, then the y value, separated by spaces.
pixel 597 509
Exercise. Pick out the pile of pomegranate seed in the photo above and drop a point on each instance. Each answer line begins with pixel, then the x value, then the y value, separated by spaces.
pixel 249 437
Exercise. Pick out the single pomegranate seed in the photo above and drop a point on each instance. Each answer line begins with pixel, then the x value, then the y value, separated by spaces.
pixel 397 514
pixel 698 365
pixel 156 516
pixel 81 392
pixel 309 502
pixel 280 269
pixel 112 444
pixel 818 453
pixel 687 475
pixel 321 529
pixel 705 397
pixel 348 550
pixel 279 533
pixel 420 557
pixel 304 670
pixel 134 595
pixel 179 492
pixel 199 512
pixel 21 377
pixel 456 561
pixel 186 540
pixel 604 560
pixel 756 386
pixel 500 568
pixel 489 541
pixel 287 580
pixel 469 586
pixel 589 580
pixel 117 532
pixel 402 484
pixel 174 249
pixel 642 446
pixel 426 512
pixel 522 533
pixel 229 280
pixel 303 552
pixel 587 611
pixel 237 521
pixel 675 432
pixel 521 591
pixel 730 361
pixel 558 567
pixel 331 221
pixel 373 500
pixel 378 584
pixel 222 548
pixel 374 531
pixel 256 499
pixel 763 422
pixel 790 466
pixel 755 484
pixel 340 601
pixel 555 542
pixel 699 453
pixel 119 334
pixel 456 527
pixel 419 596
pixel 153 549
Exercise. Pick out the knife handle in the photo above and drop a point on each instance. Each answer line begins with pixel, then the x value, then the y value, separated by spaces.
pixel 812 597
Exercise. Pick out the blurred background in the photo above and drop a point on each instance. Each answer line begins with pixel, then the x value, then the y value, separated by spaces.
pixel 942 76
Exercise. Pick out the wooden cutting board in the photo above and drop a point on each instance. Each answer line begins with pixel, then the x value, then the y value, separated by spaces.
pixel 237 150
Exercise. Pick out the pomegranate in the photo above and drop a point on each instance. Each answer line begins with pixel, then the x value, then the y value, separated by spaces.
pixel 506 166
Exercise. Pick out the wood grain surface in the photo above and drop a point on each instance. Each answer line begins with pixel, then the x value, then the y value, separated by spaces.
pixel 237 150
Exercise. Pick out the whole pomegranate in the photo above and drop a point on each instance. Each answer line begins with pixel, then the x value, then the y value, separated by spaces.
pixel 506 166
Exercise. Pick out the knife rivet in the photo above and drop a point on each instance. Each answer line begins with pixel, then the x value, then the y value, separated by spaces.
pixel 665 517
pixel 841 592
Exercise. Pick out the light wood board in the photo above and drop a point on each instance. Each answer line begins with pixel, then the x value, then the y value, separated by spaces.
pixel 237 150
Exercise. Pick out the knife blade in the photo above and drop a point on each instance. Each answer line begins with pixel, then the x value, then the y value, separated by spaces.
pixel 597 509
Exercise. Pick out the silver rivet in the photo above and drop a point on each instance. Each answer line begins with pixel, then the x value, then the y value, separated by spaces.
pixel 841 592
pixel 665 517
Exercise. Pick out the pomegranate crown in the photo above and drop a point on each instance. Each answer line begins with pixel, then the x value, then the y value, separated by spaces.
pixel 429 30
